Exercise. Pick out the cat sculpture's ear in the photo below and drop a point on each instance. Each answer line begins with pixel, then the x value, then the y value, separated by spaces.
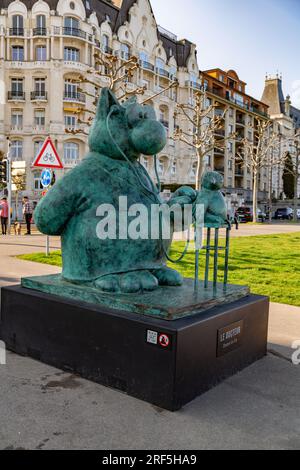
pixel 106 101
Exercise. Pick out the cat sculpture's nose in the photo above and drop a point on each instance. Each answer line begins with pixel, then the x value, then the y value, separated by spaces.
pixel 148 137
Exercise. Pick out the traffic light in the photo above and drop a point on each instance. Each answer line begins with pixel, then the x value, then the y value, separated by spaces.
pixel 3 171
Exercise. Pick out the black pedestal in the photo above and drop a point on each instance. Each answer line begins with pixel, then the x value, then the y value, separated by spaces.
pixel 167 363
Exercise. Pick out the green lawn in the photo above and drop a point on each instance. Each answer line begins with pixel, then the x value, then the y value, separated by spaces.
pixel 269 265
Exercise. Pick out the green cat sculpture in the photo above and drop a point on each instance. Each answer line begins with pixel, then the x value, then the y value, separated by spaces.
pixel 119 135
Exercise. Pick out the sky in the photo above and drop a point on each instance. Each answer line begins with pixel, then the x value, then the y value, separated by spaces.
pixel 252 37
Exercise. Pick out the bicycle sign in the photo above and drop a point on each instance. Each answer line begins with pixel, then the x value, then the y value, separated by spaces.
pixel 48 156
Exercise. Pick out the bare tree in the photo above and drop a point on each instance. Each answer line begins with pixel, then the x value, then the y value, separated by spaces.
pixel 292 166
pixel 118 75
pixel 205 129
pixel 258 153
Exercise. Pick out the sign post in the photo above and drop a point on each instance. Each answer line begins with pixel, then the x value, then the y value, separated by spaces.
pixel 48 159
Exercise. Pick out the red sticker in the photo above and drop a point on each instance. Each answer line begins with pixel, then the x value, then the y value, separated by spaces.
pixel 164 341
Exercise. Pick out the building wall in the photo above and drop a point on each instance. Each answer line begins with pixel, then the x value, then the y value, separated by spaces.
pixel 140 32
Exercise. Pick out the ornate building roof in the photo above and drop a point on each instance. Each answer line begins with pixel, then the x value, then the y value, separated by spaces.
pixel 118 11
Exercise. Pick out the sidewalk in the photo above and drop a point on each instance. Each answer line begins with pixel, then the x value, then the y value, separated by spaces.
pixel 44 408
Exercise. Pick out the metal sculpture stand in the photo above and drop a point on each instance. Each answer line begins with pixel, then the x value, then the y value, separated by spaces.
pixel 215 249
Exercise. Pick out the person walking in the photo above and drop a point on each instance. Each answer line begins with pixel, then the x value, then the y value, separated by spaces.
pixel 4 215
pixel 27 212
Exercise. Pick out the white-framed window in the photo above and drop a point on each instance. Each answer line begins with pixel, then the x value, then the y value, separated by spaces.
pixel 40 21
pixel 41 53
pixel 105 42
pixel 17 118
pixel 37 145
pixel 71 54
pixel 37 186
pixel 230 129
pixel 39 117
pixel 17 86
pixel 229 164
pixel 145 163
pixel 71 23
pixel 125 51
pixel 17 53
pixel 16 150
pixel 71 90
pixel 71 152
pixel 230 147
pixel 70 121
pixel 144 57
pixel 207 160
pixel 160 167
pixel 194 170
pixel 174 169
pixel 40 86
pixel 17 24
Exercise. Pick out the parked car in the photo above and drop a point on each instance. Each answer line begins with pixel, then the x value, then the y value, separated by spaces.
pixel 285 213
pixel 245 214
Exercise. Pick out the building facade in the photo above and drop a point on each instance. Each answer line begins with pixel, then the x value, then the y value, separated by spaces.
pixel 45 46
pixel 286 119
pixel 226 91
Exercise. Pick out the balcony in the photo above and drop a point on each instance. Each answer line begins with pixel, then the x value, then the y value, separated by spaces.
pixel 74 96
pixel 71 162
pixel 220 133
pixel 39 31
pixel 162 72
pixel 38 96
pixel 219 152
pixel 78 33
pixel 16 96
pixel 107 50
pixel 16 31
pixel 195 85
pixel 146 65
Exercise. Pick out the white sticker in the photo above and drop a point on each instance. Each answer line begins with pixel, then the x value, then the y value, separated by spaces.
pixel 152 337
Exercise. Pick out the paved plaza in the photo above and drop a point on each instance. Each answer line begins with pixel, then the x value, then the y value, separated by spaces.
pixel 44 408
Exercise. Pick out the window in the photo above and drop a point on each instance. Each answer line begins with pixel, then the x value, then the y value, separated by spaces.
pixel 105 43
pixel 174 169
pixel 16 150
pixel 70 53
pixel 230 164
pixel 17 53
pixel 230 147
pixel 145 163
pixel 39 117
pixel 160 168
pixel 207 160
pixel 37 147
pixel 17 87
pixel 144 57
pixel 159 63
pixel 205 84
pixel 41 53
pixel 194 170
pixel 37 185
pixel 125 51
pixel 71 24
pixel 231 112
pixel 41 21
pixel 17 118
pixel 230 129
pixel 70 121
pixel 40 86
pixel 71 152
pixel 71 90
pixel 17 25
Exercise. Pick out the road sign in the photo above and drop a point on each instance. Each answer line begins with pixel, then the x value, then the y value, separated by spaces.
pixel 48 156
pixel 46 178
